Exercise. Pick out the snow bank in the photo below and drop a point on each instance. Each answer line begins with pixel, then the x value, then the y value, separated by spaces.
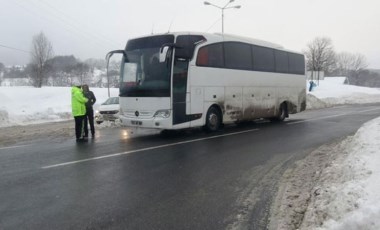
pixel 364 181
pixel 345 194
pixel 27 105
pixel 348 190
pixel 332 91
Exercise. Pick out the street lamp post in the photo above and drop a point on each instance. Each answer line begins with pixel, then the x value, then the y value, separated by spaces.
pixel 223 8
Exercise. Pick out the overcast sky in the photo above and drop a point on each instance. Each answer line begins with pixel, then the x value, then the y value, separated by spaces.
pixel 91 28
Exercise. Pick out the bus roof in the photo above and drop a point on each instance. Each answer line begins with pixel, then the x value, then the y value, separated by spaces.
pixel 232 37
pixel 218 37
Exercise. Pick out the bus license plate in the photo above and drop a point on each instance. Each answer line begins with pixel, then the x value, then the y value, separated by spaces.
pixel 136 122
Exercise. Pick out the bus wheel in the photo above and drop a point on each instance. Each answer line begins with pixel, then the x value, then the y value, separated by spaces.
pixel 213 119
pixel 282 113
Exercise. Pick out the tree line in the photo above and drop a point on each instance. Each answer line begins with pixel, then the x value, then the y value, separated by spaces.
pixel 47 69
pixel 321 56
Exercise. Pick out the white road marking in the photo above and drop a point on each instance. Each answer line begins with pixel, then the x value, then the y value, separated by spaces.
pixel 337 115
pixel 13 147
pixel 145 149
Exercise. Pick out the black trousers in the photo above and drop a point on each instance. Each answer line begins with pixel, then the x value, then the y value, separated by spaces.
pixel 79 126
pixel 89 118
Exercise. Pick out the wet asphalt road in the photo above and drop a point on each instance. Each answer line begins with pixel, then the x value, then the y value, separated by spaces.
pixel 182 180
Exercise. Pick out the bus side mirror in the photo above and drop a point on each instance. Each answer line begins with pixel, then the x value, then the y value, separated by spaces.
pixel 165 51
pixel 108 57
pixel 163 54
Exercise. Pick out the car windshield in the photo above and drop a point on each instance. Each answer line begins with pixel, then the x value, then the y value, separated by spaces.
pixel 111 101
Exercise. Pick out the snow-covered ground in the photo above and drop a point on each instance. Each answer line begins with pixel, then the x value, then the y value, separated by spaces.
pixel 332 91
pixel 28 105
pixel 349 196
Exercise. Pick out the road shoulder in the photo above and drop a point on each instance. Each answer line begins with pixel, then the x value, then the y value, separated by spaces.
pixel 24 134
pixel 301 185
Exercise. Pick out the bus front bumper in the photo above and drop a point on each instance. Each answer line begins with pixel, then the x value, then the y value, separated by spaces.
pixel 155 122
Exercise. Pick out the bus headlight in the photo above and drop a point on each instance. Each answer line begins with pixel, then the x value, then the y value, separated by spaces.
pixel 165 113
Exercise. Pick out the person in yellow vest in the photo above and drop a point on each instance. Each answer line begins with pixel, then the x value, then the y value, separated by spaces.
pixel 78 105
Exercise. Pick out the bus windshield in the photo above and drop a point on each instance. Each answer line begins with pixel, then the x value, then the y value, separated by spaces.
pixel 142 75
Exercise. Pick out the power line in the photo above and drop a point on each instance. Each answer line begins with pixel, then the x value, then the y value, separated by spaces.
pixel 73 28
pixel 76 22
pixel 66 26
pixel 213 24
pixel 12 48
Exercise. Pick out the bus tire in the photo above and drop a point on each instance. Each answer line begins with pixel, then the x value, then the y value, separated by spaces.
pixel 213 119
pixel 282 113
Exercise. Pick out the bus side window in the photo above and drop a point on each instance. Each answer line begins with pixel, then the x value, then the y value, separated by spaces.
pixel 202 59
pixel 263 59
pixel 216 55
pixel 212 56
pixel 296 63
pixel 238 56
pixel 282 62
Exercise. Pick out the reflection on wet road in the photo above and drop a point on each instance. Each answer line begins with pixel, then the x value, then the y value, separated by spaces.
pixel 190 179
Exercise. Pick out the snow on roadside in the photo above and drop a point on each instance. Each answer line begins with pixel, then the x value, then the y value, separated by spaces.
pixel 347 193
pixel 297 186
pixel 332 91
pixel 28 105
pixel 337 186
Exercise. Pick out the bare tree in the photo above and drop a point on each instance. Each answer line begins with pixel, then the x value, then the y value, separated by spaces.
pixel 2 67
pixel 348 62
pixel 2 70
pixel 82 71
pixel 320 55
pixel 42 51
pixel 114 73
pixel 359 62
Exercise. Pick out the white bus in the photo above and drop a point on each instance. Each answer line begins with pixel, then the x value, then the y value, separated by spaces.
pixel 183 80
